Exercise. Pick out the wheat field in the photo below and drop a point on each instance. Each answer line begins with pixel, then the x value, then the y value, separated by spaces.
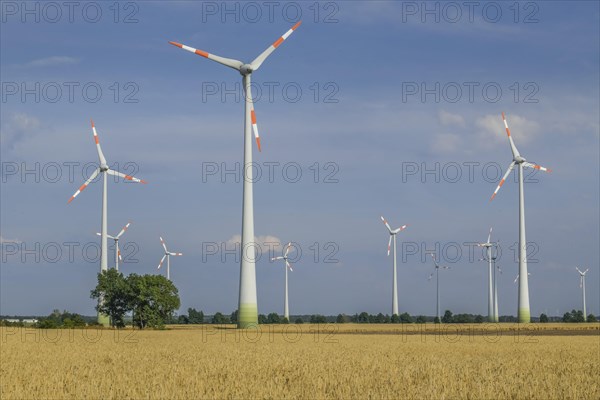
pixel 303 361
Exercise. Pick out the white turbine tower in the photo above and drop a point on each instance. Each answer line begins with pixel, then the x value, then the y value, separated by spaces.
pixel 116 239
pixel 393 233
pixel 286 308
pixel 247 306
pixel 167 255
pixel 104 170
pixel 518 160
pixel 437 279
pixel 492 295
pixel 582 286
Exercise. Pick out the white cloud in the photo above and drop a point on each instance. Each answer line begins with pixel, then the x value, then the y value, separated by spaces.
pixel 53 61
pixel 16 128
pixel 447 118
pixel 445 143
pixel 3 240
pixel 266 242
pixel 490 129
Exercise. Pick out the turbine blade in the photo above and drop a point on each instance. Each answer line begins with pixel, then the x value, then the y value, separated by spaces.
pixel 510 168
pixel 119 253
pixel 516 279
pixel 161 261
pixel 229 62
pixel 277 258
pixel 263 56
pixel 389 244
pixel 430 276
pixel 126 177
pixel 98 148
pixel 91 178
pixel 386 224
pixel 490 236
pixel 403 227
pixel 287 250
pixel 287 264
pixel 248 94
pixel 123 230
pixel 513 148
pixel 175 254
pixel 163 244
pixel 535 166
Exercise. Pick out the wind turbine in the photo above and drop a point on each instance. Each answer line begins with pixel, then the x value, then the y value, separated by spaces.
pixel 247 306
pixel 393 233
pixel 582 286
pixel 286 309
pixel 168 255
pixel 104 170
pixel 518 160
pixel 492 295
pixel 116 239
pixel 437 279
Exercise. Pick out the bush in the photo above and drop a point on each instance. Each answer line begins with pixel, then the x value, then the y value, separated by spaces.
pixel 543 318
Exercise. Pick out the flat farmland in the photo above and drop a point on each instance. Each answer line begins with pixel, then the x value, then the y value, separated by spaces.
pixel 328 361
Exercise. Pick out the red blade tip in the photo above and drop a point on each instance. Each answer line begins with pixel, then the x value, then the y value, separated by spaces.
pixel 176 44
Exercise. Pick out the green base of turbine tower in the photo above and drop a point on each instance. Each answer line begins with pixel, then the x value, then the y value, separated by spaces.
pixel 247 316
pixel 524 316
pixel 103 320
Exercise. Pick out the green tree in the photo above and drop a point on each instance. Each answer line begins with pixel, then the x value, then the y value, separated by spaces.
pixel 234 317
pixel 479 319
pixel 395 319
pixel 405 318
pixel 543 318
pixel 317 319
pixel 299 321
pixel 195 317
pixel 340 319
pixel 577 316
pixel 421 319
pixel 447 318
pixel 153 300
pixel 567 317
pixel 284 320
pixel 183 319
pixel 363 318
pixel 273 318
pixel 591 318
pixel 219 318
pixel 436 320
pixel 114 296
pixel 262 319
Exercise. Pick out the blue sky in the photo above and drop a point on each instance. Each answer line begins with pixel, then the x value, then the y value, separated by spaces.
pixel 364 129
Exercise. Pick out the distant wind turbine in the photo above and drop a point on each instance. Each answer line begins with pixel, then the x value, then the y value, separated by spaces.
pixel 437 279
pixel 286 309
pixel 582 286
pixel 116 239
pixel 247 305
pixel 393 233
pixel 492 294
pixel 524 312
pixel 167 255
pixel 104 170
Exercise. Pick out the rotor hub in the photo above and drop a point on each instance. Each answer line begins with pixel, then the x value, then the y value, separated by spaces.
pixel 246 69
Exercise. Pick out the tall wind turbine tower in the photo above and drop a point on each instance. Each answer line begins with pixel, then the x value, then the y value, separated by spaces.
pixel 286 308
pixel 582 286
pixel 105 171
pixel 247 306
pixel 521 163
pixel 393 233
